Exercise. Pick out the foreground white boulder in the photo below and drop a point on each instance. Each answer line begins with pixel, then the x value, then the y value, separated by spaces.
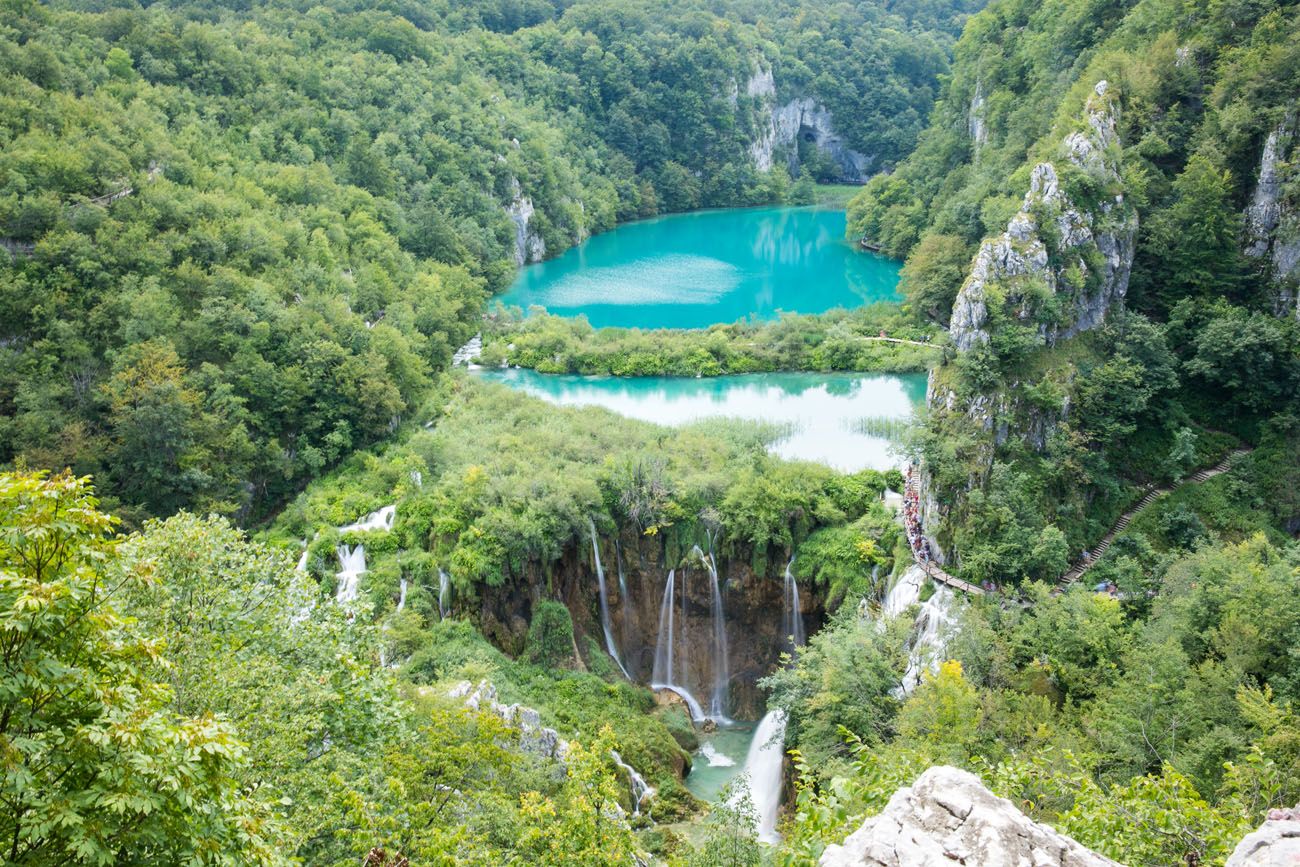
pixel 1275 844
pixel 947 818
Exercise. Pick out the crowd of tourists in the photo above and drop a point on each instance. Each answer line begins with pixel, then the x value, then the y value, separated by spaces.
pixel 912 520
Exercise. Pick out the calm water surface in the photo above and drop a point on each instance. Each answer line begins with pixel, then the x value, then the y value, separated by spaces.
pixel 694 270
pixel 844 420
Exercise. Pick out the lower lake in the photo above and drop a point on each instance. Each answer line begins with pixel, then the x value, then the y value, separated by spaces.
pixel 848 421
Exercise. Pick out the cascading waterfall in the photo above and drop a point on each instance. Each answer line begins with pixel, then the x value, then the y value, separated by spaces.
pixel 381 519
pixel 662 677
pixel 933 625
pixel 352 563
pixel 401 598
pixel 302 561
pixel 640 788
pixel 718 646
pixel 904 594
pixel 764 772
pixel 610 646
pixel 444 585
pixel 716 758
pixel 792 630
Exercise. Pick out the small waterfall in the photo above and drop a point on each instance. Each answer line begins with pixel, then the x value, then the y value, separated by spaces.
pixel 764 772
pixel 302 561
pixel 662 675
pixel 352 563
pixel 640 788
pixel 718 645
pixel 401 598
pixel 933 625
pixel 444 585
pixel 610 646
pixel 904 594
pixel 792 620
pixel 378 520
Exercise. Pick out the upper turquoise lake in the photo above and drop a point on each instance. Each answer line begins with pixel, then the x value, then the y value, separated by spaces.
pixel 696 269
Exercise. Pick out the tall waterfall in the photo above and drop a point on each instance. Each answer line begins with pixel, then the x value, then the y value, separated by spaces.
pixel 622 588
pixel 792 630
pixel 662 677
pixel 718 644
pixel 352 563
pixel 610 646
pixel 444 585
pixel 764 766
pixel 640 788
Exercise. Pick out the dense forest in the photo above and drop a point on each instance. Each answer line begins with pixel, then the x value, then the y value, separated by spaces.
pixel 240 240
pixel 281 584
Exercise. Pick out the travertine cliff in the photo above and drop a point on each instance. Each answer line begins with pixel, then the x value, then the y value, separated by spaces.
pixel 1273 228
pixel 784 125
pixel 1064 245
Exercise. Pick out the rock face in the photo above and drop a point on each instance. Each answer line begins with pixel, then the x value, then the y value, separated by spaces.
pixel 800 119
pixel 1093 244
pixel 529 246
pixel 533 736
pixel 1273 229
pixel 947 817
pixel 1275 844
pixel 636 571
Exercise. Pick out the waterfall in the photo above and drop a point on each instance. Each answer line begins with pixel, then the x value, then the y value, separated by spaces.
pixel 904 594
pixel 444 585
pixel 791 620
pixel 401 599
pixel 302 561
pixel 764 773
pixel 604 601
pixel 378 520
pixel 640 788
pixel 933 625
pixel 662 675
pixel 718 646
pixel 624 598
pixel 352 563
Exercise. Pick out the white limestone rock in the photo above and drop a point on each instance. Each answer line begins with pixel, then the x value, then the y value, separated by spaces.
pixel 1272 230
pixel 1275 844
pixel 948 818
pixel 533 736
pixel 529 246
pixel 803 116
pixel 1017 260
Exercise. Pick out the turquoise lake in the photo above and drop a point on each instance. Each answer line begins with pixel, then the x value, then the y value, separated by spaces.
pixel 697 269
pixel 848 421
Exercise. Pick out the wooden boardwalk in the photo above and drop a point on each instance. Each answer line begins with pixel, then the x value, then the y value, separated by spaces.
pixel 911 496
pixel 1152 494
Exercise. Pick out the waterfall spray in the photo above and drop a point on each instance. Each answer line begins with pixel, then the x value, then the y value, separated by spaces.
pixel 604 602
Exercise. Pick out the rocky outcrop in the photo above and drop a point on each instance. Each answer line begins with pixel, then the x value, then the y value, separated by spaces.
pixel 1272 229
pixel 801 119
pixel 533 736
pixel 947 817
pixel 529 246
pixel 1276 843
pixel 1091 243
